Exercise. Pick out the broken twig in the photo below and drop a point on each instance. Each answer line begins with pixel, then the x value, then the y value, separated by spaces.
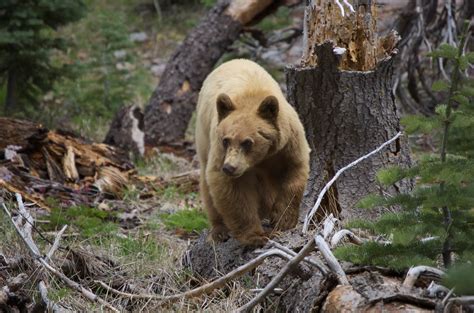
pixel 331 260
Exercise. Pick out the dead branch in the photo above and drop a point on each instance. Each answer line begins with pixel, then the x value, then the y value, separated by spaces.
pixel 467 300
pixel 406 299
pixel 345 233
pixel 50 306
pixel 331 260
pixel 328 225
pixel 55 245
pixel 416 271
pixel 204 289
pixel 310 215
pixel 320 266
pixel 24 231
pixel 279 277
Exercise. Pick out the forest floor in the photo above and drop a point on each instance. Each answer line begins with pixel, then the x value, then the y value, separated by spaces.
pixel 141 238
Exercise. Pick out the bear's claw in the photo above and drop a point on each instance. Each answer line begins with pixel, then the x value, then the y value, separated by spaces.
pixel 219 234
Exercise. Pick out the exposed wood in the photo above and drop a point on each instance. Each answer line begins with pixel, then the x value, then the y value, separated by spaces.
pixel 38 163
pixel 356 33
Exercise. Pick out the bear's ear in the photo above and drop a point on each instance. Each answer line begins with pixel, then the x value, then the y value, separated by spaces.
pixel 269 108
pixel 224 106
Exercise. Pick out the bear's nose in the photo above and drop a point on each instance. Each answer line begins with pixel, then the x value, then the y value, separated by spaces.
pixel 228 169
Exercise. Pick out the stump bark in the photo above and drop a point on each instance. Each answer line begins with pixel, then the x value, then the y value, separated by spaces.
pixel 170 108
pixel 346 114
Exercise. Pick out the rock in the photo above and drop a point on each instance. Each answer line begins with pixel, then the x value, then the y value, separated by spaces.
pixel 124 66
pixel 273 56
pixel 295 52
pixel 157 70
pixel 120 54
pixel 138 37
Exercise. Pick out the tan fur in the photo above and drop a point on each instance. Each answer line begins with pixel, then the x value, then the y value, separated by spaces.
pixel 270 177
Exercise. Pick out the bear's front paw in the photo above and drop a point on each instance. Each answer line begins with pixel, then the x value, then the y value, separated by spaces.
pixel 254 240
pixel 219 234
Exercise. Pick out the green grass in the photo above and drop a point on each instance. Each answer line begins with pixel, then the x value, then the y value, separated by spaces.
pixel 89 221
pixel 189 220
pixel 140 247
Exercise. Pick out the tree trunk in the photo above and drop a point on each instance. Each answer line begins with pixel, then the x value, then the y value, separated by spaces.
pixel 11 98
pixel 347 107
pixel 170 108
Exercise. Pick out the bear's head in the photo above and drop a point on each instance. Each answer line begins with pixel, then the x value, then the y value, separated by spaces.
pixel 248 132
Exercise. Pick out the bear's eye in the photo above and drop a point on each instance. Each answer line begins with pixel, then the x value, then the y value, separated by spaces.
pixel 225 142
pixel 246 145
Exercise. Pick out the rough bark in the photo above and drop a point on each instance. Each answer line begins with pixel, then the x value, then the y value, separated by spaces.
pixel 346 114
pixel 170 108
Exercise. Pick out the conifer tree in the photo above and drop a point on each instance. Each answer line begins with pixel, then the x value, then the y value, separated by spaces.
pixel 27 38
pixel 437 220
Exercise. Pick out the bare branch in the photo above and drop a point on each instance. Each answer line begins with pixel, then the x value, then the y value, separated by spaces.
pixel 50 306
pixel 345 233
pixel 406 298
pixel 55 245
pixel 279 277
pixel 320 266
pixel 310 215
pixel 415 272
pixel 331 260
pixel 465 301
pixel 328 225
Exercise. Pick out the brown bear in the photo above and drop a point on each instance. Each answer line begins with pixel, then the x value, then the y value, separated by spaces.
pixel 253 153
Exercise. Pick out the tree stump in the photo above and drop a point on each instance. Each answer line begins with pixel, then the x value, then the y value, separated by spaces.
pixel 343 93
pixel 126 130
